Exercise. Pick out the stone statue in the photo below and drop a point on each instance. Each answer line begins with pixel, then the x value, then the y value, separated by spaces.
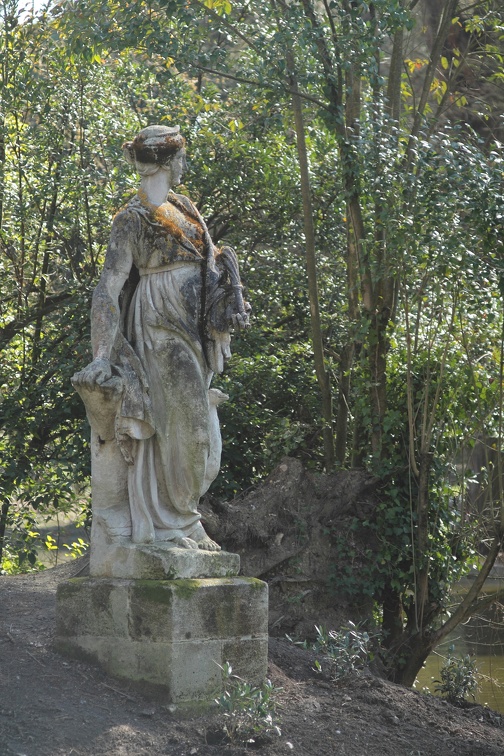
pixel 160 328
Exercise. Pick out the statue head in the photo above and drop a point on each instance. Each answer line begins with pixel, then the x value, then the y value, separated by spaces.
pixel 154 148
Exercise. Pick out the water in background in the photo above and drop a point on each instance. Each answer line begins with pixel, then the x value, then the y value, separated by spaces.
pixel 483 638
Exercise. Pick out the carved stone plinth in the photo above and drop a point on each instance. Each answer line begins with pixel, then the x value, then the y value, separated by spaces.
pixel 169 635
pixel 159 561
pixel 113 555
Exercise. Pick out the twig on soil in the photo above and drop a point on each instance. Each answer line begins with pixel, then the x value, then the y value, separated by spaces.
pixel 37 660
pixel 84 567
pixel 277 622
pixel 120 693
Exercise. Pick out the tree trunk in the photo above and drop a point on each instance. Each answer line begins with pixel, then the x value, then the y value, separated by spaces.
pixel 345 370
pixel 422 540
pixel 392 622
pixel 415 651
pixel 316 328
pixel 3 526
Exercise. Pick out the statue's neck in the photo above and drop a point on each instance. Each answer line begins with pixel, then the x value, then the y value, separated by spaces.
pixel 155 188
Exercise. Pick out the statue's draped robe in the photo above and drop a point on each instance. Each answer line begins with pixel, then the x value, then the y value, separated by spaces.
pixel 166 356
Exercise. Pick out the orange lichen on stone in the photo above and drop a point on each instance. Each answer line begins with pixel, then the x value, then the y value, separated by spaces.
pixel 160 216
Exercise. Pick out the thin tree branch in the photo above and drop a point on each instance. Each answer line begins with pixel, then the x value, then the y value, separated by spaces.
pixel 332 25
pixel 485 601
pixel 409 390
pixel 231 27
pixel 469 604
pixel 446 19
pixel 324 55
pixel 288 90
pixel 15 326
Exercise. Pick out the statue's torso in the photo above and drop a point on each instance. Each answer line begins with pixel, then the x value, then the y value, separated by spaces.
pixel 165 235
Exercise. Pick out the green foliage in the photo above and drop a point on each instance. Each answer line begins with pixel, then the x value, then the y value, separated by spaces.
pixel 248 711
pixel 271 408
pixel 377 554
pixel 77 548
pixel 348 649
pixel 20 546
pixel 459 678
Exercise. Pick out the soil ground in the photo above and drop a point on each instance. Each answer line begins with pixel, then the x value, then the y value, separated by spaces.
pixel 50 706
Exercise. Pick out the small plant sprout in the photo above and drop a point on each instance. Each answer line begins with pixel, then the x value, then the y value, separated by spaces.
pixel 248 711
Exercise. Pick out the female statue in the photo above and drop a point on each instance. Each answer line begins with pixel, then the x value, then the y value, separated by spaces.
pixel 160 322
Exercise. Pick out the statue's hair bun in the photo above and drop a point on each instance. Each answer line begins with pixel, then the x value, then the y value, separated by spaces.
pixel 155 144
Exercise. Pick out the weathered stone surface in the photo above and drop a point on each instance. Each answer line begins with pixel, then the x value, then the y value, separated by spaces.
pixel 163 605
pixel 158 561
pixel 172 634
pixel 161 318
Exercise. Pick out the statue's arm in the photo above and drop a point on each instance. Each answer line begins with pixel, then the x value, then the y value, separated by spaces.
pixel 105 313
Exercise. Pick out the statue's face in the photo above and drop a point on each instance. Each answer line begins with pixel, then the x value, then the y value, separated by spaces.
pixel 177 166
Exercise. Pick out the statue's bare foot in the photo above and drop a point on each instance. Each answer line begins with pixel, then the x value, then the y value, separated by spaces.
pixel 185 543
pixel 204 542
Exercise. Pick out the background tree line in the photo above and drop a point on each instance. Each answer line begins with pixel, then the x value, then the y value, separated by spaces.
pixel 351 151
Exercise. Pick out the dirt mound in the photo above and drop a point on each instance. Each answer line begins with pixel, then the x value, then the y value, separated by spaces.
pixel 50 706
pixel 282 532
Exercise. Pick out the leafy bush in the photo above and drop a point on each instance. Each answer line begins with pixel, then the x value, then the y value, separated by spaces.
pixel 20 544
pixel 459 678
pixel 77 548
pixel 347 649
pixel 248 710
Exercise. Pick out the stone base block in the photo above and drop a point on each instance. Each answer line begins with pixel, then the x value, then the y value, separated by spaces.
pixel 158 561
pixel 171 635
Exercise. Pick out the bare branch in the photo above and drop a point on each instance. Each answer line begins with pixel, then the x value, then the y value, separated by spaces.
pixel 469 605
pixel 15 326
pixel 243 80
pixel 231 27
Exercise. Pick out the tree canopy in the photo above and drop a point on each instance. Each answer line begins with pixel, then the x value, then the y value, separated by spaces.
pixel 352 151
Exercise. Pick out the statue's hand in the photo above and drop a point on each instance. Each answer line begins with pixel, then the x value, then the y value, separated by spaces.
pixel 241 320
pixel 101 392
pixel 93 375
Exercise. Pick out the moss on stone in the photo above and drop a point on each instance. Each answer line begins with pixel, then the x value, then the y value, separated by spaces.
pixel 225 614
pixel 185 589
pixel 100 596
pixel 161 591
pixel 71 586
pixel 156 591
pixel 254 583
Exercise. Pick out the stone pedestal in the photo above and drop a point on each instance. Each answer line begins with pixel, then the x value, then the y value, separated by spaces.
pixel 169 635
pixel 158 561
pixel 157 615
